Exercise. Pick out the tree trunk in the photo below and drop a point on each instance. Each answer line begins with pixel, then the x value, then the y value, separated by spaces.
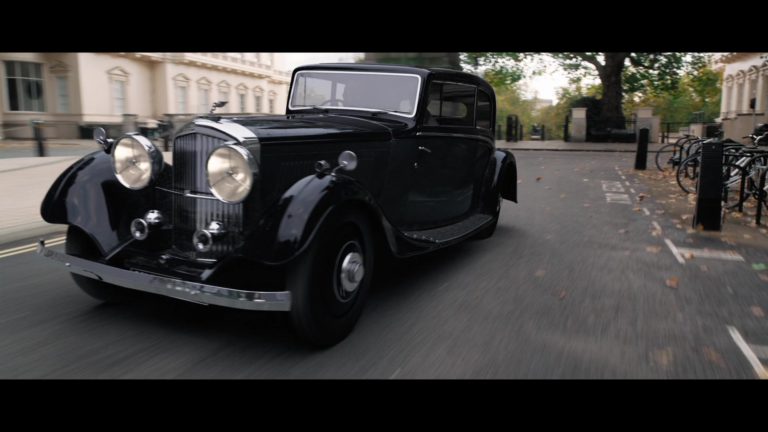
pixel 611 112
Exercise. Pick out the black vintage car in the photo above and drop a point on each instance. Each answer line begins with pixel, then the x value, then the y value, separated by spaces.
pixel 290 212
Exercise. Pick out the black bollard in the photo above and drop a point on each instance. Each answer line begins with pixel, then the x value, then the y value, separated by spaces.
pixel 761 194
pixel 709 191
pixel 37 130
pixel 641 157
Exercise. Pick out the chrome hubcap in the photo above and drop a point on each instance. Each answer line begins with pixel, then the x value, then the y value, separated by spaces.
pixel 350 271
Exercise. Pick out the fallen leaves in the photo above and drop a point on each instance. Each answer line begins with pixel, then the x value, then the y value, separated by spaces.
pixel 662 357
pixel 763 276
pixel 688 255
pixel 539 273
pixel 641 196
pixel 538 179
pixel 703 268
pixel 713 356
pixel 673 282
pixel 562 295
pixel 653 249
pixel 757 311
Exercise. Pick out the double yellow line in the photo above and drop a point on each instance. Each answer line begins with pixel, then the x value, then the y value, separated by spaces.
pixel 29 248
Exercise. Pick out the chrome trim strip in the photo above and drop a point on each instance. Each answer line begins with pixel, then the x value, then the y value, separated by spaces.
pixel 411 115
pixel 456 135
pixel 187 194
pixel 177 288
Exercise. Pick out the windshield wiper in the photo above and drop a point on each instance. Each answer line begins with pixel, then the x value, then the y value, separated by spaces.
pixel 382 111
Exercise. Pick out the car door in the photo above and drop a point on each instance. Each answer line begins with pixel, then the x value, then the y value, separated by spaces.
pixel 442 190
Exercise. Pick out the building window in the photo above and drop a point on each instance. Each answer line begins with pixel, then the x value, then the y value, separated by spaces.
pixel 24 85
pixel 182 96
pixel 118 82
pixel 118 96
pixel 62 94
pixel 272 96
pixel 204 95
pixel 224 95
pixel 258 97
pixel 243 108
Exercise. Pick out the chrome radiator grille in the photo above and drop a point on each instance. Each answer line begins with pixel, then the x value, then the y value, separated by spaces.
pixel 190 153
pixel 190 212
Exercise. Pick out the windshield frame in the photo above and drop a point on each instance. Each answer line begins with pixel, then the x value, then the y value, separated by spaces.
pixel 417 98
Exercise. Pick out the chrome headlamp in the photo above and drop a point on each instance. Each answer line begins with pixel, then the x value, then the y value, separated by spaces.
pixel 136 161
pixel 231 170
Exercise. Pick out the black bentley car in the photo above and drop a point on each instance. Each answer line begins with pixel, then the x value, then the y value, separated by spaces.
pixel 290 212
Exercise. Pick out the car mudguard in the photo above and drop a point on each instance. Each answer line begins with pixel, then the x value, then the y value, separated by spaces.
pixel 89 196
pixel 505 178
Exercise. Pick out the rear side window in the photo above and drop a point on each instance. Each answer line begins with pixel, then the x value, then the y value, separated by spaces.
pixel 483 110
pixel 451 105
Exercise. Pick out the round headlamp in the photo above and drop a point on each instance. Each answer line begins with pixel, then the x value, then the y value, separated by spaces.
pixel 231 169
pixel 136 161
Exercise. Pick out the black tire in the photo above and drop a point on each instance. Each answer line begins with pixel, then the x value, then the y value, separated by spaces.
pixel 80 245
pixel 488 231
pixel 668 157
pixel 323 309
pixel 688 174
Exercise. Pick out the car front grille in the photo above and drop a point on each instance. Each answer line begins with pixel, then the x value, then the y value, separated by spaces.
pixel 193 205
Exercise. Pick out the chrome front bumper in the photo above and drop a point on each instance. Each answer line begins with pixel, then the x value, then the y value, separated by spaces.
pixel 177 288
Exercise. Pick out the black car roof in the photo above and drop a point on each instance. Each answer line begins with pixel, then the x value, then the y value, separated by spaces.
pixel 439 73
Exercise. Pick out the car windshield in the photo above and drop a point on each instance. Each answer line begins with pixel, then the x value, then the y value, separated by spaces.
pixel 367 91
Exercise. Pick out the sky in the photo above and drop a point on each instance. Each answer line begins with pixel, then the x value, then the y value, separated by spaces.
pixel 545 86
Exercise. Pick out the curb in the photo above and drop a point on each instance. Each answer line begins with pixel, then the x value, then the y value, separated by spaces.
pixel 31 231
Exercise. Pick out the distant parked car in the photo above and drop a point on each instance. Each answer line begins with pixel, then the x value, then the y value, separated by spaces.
pixel 290 212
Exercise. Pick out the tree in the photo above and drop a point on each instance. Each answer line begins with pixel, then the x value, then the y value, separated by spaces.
pixel 618 72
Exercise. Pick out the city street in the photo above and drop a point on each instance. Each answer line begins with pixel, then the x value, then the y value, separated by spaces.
pixel 583 278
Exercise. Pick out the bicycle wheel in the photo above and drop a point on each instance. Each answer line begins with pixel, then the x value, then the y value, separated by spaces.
pixel 734 187
pixel 688 174
pixel 668 157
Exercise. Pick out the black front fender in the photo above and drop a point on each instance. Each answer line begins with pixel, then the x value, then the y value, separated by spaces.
pixel 88 195
pixel 286 229
pixel 505 179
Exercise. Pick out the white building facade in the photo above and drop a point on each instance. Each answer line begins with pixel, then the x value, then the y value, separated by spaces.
pixel 745 85
pixel 73 92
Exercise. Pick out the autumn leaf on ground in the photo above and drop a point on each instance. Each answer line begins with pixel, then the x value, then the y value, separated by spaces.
pixel 562 295
pixel 539 273
pixel 763 276
pixel 547 187
pixel 641 196
pixel 688 255
pixel 637 209
pixel 562 195
pixel 673 282
pixel 713 356
pixel 704 268
pixel 538 178
pixel 757 311
pixel 662 357
pixel 587 205
pixel 653 249
pixel 623 231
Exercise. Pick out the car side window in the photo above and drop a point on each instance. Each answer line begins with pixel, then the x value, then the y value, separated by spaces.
pixel 450 104
pixel 483 110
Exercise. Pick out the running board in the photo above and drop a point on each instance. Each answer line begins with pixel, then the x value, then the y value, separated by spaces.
pixel 450 232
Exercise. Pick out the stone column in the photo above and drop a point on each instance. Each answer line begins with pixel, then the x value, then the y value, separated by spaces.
pixel 762 91
pixel 645 121
pixel 578 124
pixel 129 123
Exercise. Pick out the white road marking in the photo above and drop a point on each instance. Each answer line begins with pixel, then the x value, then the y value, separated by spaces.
pixel 751 357
pixel 761 351
pixel 713 254
pixel 30 245
pixel 30 248
pixel 617 198
pixel 645 210
pixel 674 250
pixel 656 225
pixel 612 186
pixel 632 190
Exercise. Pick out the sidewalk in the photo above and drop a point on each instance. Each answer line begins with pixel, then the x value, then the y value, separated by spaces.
pixel 557 145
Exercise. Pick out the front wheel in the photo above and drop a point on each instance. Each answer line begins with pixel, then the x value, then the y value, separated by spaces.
pixel 331 279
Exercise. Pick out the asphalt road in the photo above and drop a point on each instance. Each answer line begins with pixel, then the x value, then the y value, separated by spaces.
pixel 570 286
